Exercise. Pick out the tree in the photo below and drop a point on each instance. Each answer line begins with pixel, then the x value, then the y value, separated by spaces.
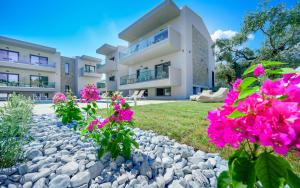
pixel 280 28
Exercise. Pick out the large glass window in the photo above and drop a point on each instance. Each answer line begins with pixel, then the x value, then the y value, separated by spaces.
pixel 7 79
pixel 38 81
pixel 67 67
pixel 162 70
pixel 112 78
pixel 163 91
pixel 6 55
pixel 90 68
pixel 38 60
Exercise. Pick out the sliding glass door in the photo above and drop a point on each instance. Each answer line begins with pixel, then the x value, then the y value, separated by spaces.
pixel 162 70
pixel 38 81
pixel 7 79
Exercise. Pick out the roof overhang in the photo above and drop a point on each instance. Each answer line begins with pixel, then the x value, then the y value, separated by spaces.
pixel 158 16
pixel 19 43
pixel 89 58
pixel 106 49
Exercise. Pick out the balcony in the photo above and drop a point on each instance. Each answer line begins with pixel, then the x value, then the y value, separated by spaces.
pixel 24 86
pixel 89 73
pixel 21 64
pixel 109 66
pixel 162 43
pixel 151 78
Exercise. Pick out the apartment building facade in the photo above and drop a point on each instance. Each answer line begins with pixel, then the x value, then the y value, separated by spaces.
pixel 39 72
pixel 169 55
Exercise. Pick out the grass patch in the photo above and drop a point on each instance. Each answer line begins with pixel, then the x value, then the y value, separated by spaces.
pixel 186 123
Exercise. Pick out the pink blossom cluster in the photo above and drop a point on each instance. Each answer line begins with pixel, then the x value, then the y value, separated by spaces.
pixel 59 97
pixel 89 93
pixel 121 113
pixel 272 116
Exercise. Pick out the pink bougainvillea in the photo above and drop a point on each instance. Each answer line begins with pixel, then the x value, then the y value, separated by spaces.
pixel 271 116
pixel 259 70
pixel 89 93
pixel 59 97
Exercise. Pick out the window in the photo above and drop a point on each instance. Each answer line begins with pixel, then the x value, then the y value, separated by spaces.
pixel 38 60
pixel 111 78
pixel 90 68
pixel 163 91
pixel 3 96
pixel 10 56
pixel 38 81
pixel 67 66
pixel 7 79
pixel 67 88
pixel 162 70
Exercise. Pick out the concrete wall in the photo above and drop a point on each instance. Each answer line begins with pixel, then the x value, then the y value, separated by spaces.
pixel 83 80
pixel 68 79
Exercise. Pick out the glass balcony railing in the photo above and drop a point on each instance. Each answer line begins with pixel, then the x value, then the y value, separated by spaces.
pixel 156 38
pixel 148 75
pixel 28 85
pixel 48 64
pixel 101 85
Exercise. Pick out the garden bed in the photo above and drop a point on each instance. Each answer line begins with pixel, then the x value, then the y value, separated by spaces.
pixel 59 158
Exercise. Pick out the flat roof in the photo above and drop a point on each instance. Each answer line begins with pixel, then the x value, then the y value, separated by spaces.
pixel 90 58
pixel 156 17
pixel 20 43
pixel 106 49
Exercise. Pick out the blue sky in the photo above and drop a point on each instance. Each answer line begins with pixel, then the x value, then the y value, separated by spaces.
pixel 77 27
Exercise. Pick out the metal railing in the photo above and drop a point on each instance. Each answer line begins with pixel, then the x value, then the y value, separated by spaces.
pixel 28 85
pixel 49 64
pixel 144 76
pixel 157 37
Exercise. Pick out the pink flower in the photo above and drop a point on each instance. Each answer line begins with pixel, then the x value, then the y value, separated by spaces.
pixel 259 70
pixel 101 124
pixel 122 100
pixel 59 97
pixel 125 115
pixel 269 120
pixel 89 93
pixel 93 124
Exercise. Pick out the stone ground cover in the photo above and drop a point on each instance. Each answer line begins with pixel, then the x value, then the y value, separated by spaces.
pixel 58 158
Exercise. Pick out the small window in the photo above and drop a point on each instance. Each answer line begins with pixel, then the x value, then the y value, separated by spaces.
pixel 112 78
pixel 67 88
pixel 67 68
pixel 90 68
pixel 163 91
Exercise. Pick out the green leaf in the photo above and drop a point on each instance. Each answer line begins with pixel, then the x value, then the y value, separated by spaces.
pixel 271 170
pixel 224 180
pixel 272 63
pixel 236 114
pixel 247 82
pixel 293 180
pixel 243 172
pixel 246 92
pixel 281 71
pixel 249 69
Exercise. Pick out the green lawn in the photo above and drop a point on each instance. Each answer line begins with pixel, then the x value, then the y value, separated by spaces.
pixel 185 122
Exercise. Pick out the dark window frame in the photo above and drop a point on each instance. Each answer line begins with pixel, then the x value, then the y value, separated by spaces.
pixel 67 90
pixel 39 58
pixel 167 63
pixel 40 83
pixel 6 73
pixel 112 80
pixel 88 68
pixel 163 91
pixel 12 51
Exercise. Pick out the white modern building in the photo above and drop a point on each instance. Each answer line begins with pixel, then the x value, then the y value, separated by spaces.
pixel 39 72
pixel 169 55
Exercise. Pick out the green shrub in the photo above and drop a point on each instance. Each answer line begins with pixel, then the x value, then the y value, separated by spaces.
pixel 15 117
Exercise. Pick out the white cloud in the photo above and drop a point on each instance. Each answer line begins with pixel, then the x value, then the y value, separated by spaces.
pixel 220 34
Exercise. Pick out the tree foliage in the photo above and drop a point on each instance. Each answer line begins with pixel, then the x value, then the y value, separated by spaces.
pixel 280 28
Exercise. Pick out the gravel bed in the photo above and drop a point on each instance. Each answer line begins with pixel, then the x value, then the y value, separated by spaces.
pixel 57 158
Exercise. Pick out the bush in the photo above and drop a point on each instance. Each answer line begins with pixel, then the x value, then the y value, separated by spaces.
pixel 15 117
pixel 66 108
